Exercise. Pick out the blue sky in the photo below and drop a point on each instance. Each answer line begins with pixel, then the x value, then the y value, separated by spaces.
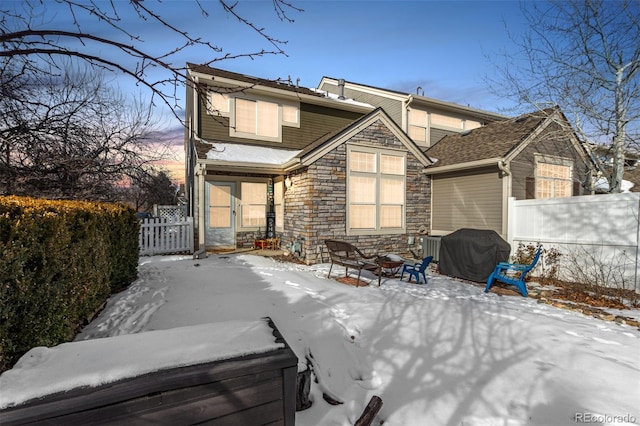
pixel 445 47
pixel 440 46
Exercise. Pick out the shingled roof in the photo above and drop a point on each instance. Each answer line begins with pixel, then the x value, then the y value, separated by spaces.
pixel 495 140
pixel 216 72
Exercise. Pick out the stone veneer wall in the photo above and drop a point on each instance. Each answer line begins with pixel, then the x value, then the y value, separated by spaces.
pixel 315 205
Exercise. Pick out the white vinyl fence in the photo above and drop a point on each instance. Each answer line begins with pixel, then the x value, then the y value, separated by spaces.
pixel 164 236
pixel 593 231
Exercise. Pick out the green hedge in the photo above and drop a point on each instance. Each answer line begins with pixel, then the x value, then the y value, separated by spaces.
pixel 59 262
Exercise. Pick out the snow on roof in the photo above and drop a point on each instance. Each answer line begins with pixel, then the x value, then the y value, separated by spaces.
pixel 250 154
pixel 44 371
pixel 335 97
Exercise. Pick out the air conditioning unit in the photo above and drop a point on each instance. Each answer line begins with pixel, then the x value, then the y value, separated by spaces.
pixel 431 247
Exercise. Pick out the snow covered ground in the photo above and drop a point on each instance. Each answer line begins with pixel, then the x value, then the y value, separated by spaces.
pixel 443 353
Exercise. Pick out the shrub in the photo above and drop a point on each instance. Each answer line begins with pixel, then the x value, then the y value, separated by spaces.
pixel 547 267
pixel 60 261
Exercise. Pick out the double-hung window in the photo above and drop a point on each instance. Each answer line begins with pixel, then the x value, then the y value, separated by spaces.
pixel 262 119
pixel 253 204
pixel 218 104
pixel 278 201
pixel 418 126
pixel 553 178
pixel 376 190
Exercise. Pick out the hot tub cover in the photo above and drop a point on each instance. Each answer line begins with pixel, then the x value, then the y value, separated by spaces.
pixel 471 254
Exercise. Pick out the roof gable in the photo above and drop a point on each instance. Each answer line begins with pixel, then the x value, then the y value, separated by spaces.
pixel 497 140
pixel 327 143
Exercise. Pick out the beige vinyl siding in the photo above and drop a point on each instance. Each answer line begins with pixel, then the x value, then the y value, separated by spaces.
pixel 466 201
pixel 315 121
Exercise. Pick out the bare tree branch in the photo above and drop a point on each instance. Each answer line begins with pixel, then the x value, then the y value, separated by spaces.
pixel 38 44
pixel 584 56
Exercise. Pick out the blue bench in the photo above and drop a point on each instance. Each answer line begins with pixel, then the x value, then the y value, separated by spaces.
pixel 513 274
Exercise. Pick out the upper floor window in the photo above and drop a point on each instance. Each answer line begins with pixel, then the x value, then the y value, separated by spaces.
pixel 290 115
pixel 418 125
pixel 259 118
pixel 254 118
pixel 554 179
pixel 446 121
pixel 219 103
pixel 376 190
pixel 471 124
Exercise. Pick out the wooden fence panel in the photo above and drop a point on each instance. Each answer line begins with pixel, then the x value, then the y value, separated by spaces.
pixel 164 236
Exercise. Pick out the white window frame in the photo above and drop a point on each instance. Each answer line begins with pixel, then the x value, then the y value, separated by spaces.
pixel 292 107
pixel 378 175
pixel 555 161
pixel 241 206
pixel 418 125
pixel 211 104
pixel 278 202
pixel 233 132
pixel 436 116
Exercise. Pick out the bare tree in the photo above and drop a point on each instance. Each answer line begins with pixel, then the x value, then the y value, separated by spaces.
pixel 152 188
pixel 28 34
pixel 72 137
pixel 584 56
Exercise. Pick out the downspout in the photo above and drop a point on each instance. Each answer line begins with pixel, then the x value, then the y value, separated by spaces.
pixel 405 113
pixel 198 173
pixel 503 166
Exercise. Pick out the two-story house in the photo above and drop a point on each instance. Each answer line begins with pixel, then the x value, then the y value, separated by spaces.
pixel 314 165
pixel 363 164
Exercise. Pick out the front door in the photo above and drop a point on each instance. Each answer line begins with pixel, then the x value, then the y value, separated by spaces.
pixel 220 215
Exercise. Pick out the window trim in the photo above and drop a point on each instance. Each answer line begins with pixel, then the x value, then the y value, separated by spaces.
pixel 421 126
pixel 210 104
pixel 278 204
pixel 556 161
pixel 378 230
pixel 281 122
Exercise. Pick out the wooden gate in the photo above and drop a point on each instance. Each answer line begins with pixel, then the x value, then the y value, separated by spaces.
pixel 164 236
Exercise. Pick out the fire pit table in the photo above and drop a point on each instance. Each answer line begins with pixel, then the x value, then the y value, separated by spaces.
pixel 388 267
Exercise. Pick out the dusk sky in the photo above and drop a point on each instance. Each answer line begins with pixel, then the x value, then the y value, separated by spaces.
pixel 445 47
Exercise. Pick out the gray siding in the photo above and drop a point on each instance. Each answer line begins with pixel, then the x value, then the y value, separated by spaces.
pixel 467 200
pixel 436 134
pixel 315 121
pixel 390 106
pixel 551 142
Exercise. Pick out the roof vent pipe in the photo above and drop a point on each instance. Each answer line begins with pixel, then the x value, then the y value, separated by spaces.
pixel 341 89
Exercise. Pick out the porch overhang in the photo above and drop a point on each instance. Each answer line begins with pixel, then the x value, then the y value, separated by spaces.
pixel 242 159
pixel 242 167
